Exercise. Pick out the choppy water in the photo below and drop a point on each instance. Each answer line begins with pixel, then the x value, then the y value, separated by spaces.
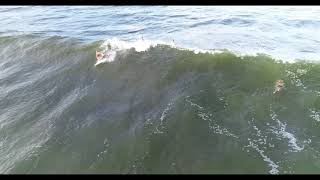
pixel 160 106
pixel 284 32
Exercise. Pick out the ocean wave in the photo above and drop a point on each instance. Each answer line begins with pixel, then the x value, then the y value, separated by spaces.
pixel 155 101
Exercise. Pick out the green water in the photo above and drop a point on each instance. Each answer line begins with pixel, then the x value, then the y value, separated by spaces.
pixel 161 111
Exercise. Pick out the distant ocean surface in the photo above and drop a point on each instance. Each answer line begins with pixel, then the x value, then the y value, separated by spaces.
pixel 189 90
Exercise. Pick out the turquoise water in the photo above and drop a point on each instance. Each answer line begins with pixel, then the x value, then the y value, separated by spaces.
pixel 158 107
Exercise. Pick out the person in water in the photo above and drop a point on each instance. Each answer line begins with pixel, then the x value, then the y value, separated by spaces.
pixel 279 85
pixel 99 55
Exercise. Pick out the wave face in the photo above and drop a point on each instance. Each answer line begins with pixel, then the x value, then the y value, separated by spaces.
pixel 160 109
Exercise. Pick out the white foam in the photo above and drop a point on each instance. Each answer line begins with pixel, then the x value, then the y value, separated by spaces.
pixel 295 79
pixel 106 147
pixel 142 44
pixel 281 131
pixel 193 104
pixel 208 117
pixel 139 45
pixel 165 112
pixel 163 116
pixel 273 165
pixel 262 142
pixel 315 115
pixel 115 45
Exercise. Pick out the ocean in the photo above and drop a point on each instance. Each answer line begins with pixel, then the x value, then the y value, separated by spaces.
pixel 189 90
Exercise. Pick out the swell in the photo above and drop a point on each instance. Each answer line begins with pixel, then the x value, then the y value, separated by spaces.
pixel 155 108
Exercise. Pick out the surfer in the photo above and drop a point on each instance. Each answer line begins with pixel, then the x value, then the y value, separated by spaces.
pixel 99 55
pixel 278 86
